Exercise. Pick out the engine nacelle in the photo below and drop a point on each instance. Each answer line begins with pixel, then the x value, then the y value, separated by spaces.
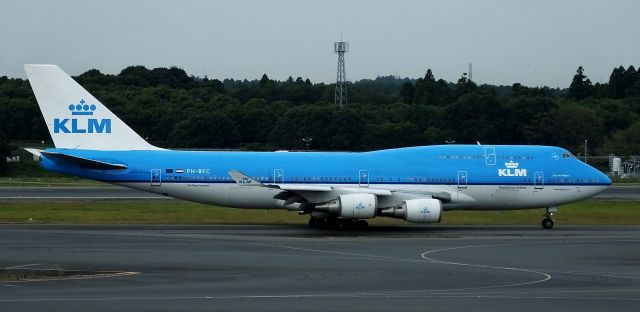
pixel 351 206
pixel 424 210
pixel 358 206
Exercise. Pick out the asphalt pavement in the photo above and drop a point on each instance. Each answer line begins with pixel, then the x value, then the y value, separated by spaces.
pixel 295 268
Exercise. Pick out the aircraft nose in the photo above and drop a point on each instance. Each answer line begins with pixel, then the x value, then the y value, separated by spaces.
pixel 600 181
pixel 601 177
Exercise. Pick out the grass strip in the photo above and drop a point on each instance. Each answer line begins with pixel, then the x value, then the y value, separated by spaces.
pixel 590 212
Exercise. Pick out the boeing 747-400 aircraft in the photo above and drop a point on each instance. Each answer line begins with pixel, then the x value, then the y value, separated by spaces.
pixel 416 184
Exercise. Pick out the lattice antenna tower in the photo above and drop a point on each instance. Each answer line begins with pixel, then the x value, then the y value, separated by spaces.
pixel 470 72
pixel 341 48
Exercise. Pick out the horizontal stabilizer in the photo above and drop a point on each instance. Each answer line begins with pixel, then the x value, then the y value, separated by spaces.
pixel 34 151
pixel 84 163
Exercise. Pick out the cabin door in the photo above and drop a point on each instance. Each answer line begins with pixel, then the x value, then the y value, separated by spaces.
pixel 364 178
pixel 156 177
pixel 278 176
pixel 538 180
pixel 490 155
pixel 462 179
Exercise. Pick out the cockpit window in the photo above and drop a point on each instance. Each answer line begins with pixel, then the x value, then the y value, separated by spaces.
pixel 567 155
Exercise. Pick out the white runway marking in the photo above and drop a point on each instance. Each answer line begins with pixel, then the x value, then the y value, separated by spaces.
pixel 22 266
pixel 509 291
pixel 546 277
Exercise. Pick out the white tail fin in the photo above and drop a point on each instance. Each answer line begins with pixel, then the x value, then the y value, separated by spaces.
pixel 76 119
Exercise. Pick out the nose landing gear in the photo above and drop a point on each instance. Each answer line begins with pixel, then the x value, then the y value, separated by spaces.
pixel 547 222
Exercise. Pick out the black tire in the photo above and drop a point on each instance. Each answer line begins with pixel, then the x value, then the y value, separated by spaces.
pixel 333 223
pixel 312 222
pixel 362 224
pixel 547 223
pixel 322 223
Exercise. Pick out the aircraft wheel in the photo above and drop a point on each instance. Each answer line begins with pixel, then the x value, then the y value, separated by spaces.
pixel 362 224
pixel 334 223
pixel 547 223
pixel 313 222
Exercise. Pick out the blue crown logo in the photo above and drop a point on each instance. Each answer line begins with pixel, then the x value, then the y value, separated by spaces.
pixel 82 108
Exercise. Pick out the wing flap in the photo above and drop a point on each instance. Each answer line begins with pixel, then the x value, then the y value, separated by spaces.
pixel 302 187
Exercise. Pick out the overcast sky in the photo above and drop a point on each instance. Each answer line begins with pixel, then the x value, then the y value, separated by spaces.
pixel 531 42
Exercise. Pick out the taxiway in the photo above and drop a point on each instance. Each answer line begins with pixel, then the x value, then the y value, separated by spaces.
pixel 281 268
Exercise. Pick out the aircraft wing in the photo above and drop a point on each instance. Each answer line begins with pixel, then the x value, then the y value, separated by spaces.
pixel 245 180
pixel 314 193
pixel 292 193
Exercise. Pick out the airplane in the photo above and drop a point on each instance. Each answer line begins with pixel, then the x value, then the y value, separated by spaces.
pixel 337 189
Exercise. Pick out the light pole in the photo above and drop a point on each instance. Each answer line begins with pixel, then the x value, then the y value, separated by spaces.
pixel 307 141
pixel 585 151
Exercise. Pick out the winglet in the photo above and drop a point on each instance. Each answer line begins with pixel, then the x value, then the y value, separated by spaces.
pixel 243 179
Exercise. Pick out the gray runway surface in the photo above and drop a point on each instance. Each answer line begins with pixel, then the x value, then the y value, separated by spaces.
pixel 294 268
pixel 618 192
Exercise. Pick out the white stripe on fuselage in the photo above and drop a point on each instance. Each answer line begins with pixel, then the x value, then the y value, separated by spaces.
pixel 473 197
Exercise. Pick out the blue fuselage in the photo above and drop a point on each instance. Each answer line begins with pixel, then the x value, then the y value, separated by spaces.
pixel 469 176
pixel 428 165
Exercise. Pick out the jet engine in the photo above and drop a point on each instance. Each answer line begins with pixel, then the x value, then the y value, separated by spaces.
pixel 351 206
pixel 423 210
pixel 427 210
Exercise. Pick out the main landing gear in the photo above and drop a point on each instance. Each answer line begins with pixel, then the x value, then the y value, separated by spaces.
pixel 547 222
pixel 330 222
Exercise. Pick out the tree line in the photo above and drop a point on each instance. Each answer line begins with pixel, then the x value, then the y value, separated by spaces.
pixel 172 109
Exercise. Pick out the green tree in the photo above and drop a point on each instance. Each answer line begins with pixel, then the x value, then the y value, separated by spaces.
pixel 569 125
pixel 580 87
pixel 406 92
pixel 383 112
pixel 256 120
pixel 5 151
pixel 476 116
pixel 624 142
pixel 331 129
pixel 522 118
pixel 264 81
pixel 429 91
pixel 206 129
pixel 465 85
pixel 622 82
pixel 424 89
